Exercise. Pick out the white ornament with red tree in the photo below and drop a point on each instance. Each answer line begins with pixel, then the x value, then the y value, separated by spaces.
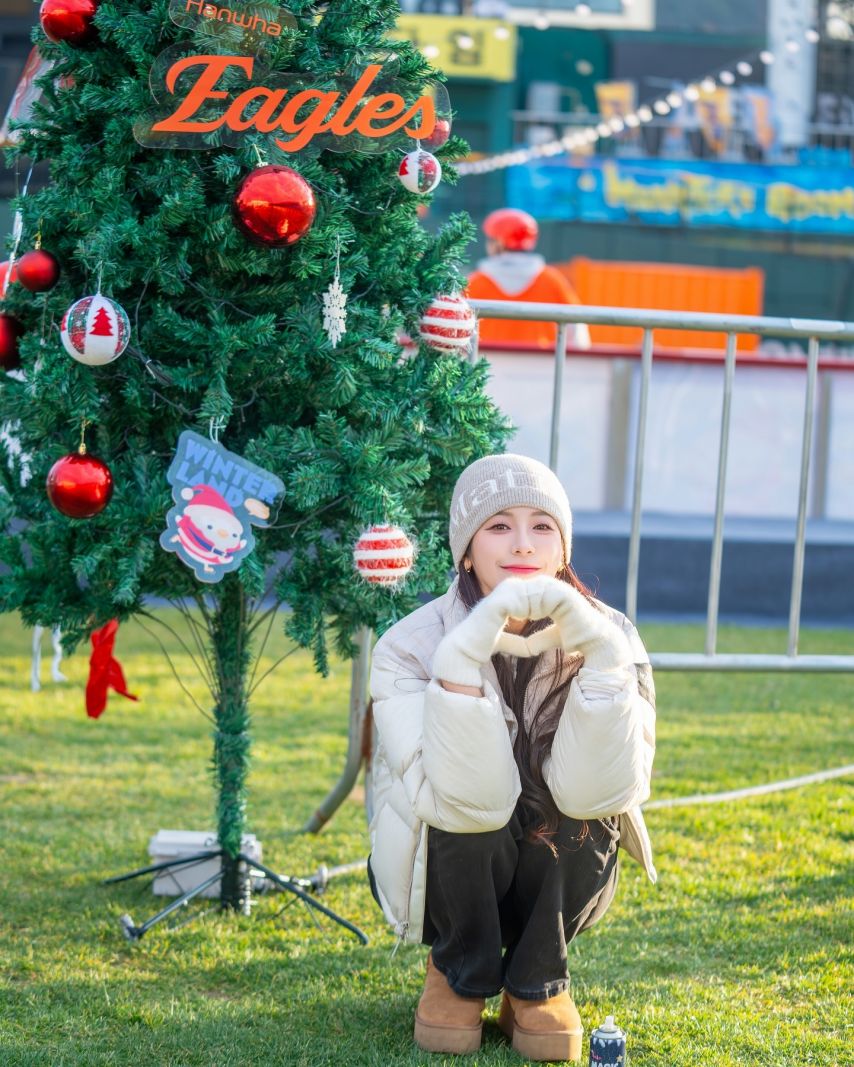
pixel 420 171
pixel 95 330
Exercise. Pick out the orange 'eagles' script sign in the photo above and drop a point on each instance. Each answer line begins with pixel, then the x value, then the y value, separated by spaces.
pixel 206 95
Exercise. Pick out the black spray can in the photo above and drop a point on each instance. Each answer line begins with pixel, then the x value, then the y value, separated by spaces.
pixel 608 1045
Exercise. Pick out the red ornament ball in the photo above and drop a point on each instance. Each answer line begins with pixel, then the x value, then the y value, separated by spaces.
pixel 10 330
pixel 274 206
pixel 4 271
pixel 69 20
pixel 383 555
pixel 38 270
pixel 441 133
pixel 448 324
pixel 79 485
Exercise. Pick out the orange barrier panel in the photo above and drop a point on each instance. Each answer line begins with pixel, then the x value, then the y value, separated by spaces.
pixel 667 287
pixel 550 286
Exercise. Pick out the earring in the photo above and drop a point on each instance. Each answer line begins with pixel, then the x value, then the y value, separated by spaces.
pixel 467 565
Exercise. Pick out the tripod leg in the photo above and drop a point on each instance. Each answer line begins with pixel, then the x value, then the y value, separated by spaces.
pixel 320 879
pixel 283 882
pixel 178 862
pixel 134 933
pixel 318 882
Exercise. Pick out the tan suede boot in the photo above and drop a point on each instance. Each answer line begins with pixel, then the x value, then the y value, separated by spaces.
pixel 444 1021
pixel 542 1029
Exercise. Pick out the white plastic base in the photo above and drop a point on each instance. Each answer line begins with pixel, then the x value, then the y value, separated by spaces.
pixel 174 844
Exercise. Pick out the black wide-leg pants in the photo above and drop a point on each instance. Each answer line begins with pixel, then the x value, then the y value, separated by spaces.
pixel 501 910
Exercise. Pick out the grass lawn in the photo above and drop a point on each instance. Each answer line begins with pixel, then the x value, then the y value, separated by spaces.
pixel 740 954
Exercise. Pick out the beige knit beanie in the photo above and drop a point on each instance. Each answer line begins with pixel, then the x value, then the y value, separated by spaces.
pixel 505 481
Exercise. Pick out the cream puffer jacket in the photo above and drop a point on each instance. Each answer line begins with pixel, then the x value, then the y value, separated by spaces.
pixel 605 772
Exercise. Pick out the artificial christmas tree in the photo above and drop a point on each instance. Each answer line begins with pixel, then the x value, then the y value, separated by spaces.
pixel 227 338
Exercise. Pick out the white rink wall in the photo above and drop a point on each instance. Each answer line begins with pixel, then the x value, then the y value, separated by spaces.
pixel 599 419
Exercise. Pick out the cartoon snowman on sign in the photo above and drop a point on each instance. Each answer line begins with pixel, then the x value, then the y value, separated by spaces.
pixel 208 530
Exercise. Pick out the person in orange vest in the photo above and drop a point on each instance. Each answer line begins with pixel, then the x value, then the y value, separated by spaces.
pixel 512 270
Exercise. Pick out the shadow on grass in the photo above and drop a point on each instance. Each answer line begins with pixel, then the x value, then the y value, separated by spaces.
pixel 727 935
pixel 823 889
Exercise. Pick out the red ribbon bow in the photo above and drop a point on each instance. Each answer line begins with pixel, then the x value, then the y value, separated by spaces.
pixel 105 671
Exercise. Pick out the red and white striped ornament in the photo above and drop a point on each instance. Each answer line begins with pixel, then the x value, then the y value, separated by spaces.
pixel 448 324
pixel 95 330
pixel 383 555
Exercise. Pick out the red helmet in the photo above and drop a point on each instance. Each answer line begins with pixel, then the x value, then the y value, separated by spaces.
pixel 514 230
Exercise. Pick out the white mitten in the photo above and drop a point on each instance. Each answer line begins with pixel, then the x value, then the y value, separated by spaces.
pixel 580 626
pixel 464 650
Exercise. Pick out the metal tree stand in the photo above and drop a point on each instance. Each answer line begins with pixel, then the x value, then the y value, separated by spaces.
pixel 230 687
pixel 299 887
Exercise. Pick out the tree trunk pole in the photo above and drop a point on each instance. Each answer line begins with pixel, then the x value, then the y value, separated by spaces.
pixel 231 737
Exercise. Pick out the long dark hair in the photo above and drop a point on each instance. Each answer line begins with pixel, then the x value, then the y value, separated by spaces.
pixel 533 743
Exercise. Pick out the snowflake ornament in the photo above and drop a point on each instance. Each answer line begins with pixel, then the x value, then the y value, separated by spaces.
pixel 335 311
pixel 335 304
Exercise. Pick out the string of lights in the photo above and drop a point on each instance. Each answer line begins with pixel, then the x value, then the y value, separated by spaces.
pixel 583 138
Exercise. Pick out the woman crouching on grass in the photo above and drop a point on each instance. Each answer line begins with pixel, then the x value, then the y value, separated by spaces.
pixel 515 722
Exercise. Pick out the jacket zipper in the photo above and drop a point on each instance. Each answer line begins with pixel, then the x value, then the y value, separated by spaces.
pixel 400 930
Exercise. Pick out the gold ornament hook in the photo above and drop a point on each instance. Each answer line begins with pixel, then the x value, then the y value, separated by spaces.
pixel 82 447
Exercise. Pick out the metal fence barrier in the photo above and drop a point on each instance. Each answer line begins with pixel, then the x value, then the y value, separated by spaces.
pixel 814 331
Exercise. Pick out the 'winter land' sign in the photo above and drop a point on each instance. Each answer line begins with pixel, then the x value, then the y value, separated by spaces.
pixel 218 497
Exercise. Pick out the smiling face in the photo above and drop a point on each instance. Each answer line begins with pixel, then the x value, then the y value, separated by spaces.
pixel 221 529
pixel 517 542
